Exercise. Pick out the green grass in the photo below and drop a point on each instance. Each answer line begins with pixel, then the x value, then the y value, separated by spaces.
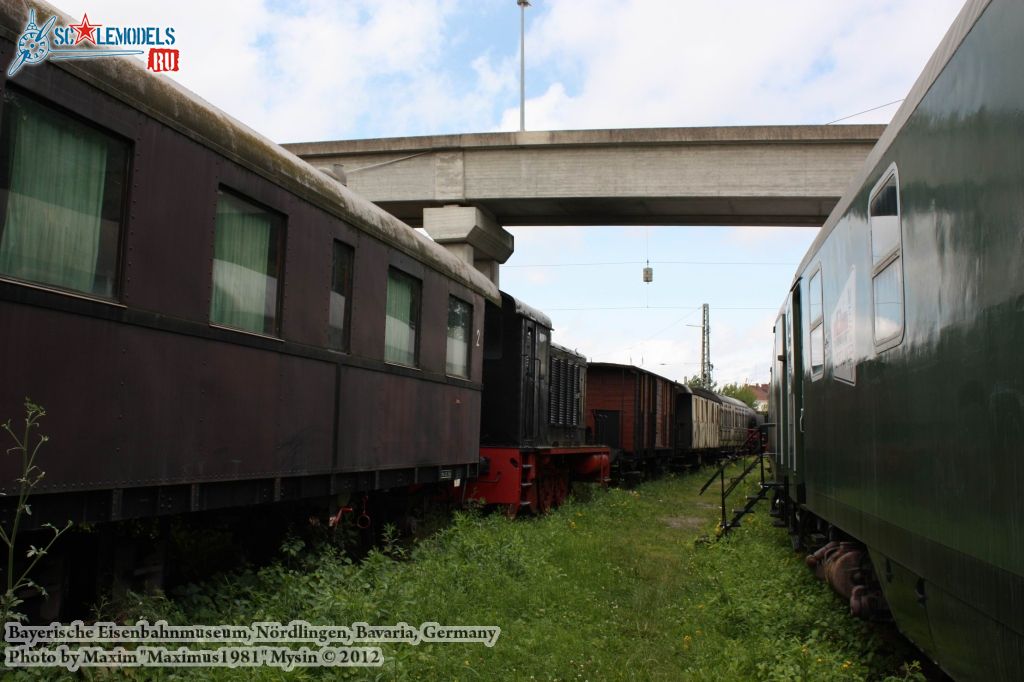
pixel 629 585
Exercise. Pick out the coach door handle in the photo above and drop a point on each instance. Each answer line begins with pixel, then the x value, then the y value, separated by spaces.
pixel 801 420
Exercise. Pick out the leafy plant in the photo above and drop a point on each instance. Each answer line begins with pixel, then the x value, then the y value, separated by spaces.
pixel 30 477
pixel 391 543
pixel 743 393
pixel 617 588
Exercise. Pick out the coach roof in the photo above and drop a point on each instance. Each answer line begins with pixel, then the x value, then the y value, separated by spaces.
pixel 166 101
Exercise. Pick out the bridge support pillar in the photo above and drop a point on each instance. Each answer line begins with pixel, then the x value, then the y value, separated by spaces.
pixel 472 235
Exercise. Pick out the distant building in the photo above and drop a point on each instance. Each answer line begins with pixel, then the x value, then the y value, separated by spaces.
pixel 760 396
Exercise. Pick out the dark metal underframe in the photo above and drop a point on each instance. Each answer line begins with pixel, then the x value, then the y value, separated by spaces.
pixel 985 584
pixel 118 504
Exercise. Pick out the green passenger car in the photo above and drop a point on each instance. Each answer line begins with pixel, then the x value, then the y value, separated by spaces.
pixel 898 376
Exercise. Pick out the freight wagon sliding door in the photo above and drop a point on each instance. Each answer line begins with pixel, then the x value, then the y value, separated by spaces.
pixel 606 428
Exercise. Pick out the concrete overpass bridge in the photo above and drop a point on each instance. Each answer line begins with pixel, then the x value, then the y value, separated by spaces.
pixel 464 188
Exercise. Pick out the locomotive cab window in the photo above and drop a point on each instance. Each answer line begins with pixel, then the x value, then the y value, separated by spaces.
pixel 886 261
pixel 817 317
pixel 460 322
pixel 340 311
pixel 247 266
pixel 403 319
pixel 63 187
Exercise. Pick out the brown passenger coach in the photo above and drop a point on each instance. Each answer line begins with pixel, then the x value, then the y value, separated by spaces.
pixel 208 320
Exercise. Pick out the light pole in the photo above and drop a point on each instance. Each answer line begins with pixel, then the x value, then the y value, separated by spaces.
pixel 523 4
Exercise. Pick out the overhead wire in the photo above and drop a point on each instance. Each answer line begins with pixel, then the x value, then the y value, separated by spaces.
pixel 662 307
pixel 880 106
pixel 638 262
pixel 652 336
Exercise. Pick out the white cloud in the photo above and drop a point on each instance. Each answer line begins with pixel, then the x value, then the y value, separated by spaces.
pixel 323 69
pixel 645 63
pixel 319 69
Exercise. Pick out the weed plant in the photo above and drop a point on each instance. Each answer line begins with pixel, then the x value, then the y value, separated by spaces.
pixel 630 585
pixel 17 577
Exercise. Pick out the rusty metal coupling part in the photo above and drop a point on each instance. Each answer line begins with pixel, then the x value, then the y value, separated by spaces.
pixel 841 565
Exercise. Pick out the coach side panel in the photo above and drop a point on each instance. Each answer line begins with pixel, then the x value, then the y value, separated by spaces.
pixel 143 389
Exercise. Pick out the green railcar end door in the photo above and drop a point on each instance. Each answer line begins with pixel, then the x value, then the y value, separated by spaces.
pixel 794 393
pixel 779 395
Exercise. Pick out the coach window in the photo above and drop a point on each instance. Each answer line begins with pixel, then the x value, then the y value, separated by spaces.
pixel 63 185
pixel 460 320
pixel 340 313
pixel 403 319
pixel 886 261
pixel 817 326
pixel 247 257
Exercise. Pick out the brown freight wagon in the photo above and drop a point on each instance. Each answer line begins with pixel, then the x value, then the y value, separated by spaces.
pixel 632 411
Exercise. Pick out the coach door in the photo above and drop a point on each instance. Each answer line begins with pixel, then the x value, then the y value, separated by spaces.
pixel 780 395
pixel 794 385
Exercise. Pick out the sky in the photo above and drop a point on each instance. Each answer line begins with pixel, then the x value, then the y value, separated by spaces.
pixel 321 69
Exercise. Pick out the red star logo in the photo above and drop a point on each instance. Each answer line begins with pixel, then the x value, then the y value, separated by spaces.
pixel 85 30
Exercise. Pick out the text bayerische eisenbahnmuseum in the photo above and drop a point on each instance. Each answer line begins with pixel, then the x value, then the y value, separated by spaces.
pixel 257 633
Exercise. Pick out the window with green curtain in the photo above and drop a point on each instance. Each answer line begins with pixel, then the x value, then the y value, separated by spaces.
pixel 340 309
pixel 403 312
pixel 246 266
pixel 460 321
pixel 63 188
